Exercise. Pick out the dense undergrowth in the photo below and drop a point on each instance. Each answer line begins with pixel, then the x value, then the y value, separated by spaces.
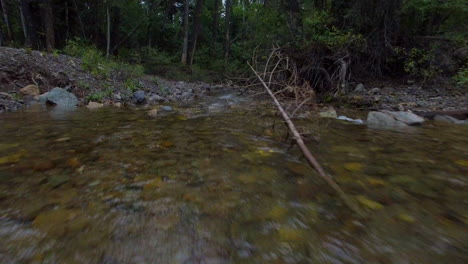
pixel 419 40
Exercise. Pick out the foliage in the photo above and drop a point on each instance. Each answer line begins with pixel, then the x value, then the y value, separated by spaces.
pixel 92 59
pixel 99 95
pixel 132 85
pixel 419 63
pixel 462 77
pixel 150 33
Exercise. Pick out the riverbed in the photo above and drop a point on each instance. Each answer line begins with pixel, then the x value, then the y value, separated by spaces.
pixel 218 181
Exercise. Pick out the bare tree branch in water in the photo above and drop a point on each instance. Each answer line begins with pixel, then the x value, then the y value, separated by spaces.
pixel 305 150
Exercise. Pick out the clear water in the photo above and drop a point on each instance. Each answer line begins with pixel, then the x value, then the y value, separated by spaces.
pixel 215 182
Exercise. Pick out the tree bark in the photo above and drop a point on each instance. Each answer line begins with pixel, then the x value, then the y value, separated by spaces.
pixel 116 47
pixel 75 6
pixel 196 28
pixel 227 39
pixel 6 18
pixel 294 18
pixel 186 33
pixel 214 29
pixel 48 22
pixel 28 27
pixel 108 29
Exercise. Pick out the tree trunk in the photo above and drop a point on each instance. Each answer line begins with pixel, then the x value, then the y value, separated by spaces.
pixel 48 22
pixel 75 6
pixel 294 18
pixel 23 23
pixel 67 21
pixel 215 19
pixel 227 44
pixel 108 29
pixel 28 27
pixel 196 28
pixel 6 18
pixel 116 47
pixel 186 32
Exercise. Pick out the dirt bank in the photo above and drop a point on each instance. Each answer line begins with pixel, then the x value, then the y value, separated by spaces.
pixel 19 68
pixel 403 97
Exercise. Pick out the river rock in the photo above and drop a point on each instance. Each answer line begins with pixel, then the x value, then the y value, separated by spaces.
pixel 156 98
pixel 59 97
pixel 382 120
pixel 139 96
pixel 30 90
pixel 167 108
pixel 360 88
pixel 153 112
pixel 328 112
pixel 408 118
pixel 389 119
pixel 449 119
pixel 374 91
pixel 94 105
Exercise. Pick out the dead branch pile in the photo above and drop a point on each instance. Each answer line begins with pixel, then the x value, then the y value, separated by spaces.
pixel 297 82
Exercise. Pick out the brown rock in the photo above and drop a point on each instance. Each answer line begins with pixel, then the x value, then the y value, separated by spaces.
pixel 153 113
pixel 31 90
pixel 94 105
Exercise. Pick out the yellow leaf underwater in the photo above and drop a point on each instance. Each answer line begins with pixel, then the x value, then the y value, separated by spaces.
pixel 369 203
pixel 353 166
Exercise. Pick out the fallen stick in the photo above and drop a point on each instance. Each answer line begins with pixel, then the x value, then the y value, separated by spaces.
pixel 307 154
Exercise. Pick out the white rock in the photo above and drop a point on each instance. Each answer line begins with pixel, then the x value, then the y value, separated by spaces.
pixel 328 112
pixel 94 105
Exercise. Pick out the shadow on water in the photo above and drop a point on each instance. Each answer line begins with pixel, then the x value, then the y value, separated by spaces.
pixel 213 183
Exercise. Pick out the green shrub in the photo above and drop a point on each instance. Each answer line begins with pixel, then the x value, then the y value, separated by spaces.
pixel 97 64
pixel 419 63
pixel 462 77
pixel 99 95
pixel 132 85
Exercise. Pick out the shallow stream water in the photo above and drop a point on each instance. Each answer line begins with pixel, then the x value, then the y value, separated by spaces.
pixel 216 182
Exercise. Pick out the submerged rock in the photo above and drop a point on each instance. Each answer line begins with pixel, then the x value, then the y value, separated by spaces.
pixel 389 119
pixel 59 97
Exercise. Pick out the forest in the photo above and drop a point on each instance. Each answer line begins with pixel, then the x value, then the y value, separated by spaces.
pixel 420 40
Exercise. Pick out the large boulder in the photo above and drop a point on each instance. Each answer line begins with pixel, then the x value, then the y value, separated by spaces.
pixel 382 120
pixel 408 118
pixel 389 119
pixel 60 98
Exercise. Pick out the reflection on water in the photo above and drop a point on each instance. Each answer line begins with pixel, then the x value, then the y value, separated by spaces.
pixel 221 186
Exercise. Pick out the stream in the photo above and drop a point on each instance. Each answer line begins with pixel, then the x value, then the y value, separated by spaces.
pixel 215 182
